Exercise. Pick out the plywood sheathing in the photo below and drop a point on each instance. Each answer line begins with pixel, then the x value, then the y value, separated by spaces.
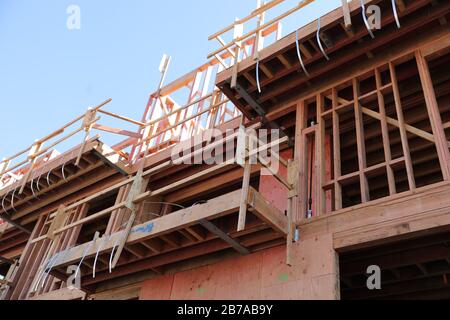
pixel 263 275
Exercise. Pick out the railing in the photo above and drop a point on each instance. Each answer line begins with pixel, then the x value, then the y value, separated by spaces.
pixel 165 122
pixel 21 165
pixel 239 45
pixel 168 123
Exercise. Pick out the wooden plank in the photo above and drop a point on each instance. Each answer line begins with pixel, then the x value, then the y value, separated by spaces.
pixel 65 294
pixel 116 131
pixel 184 218
pixel 139 186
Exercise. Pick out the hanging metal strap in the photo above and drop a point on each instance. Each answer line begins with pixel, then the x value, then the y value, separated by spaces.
pixel 102 244
pixel 394 9
pixel 257 76
pixel 366 22
pixel 319 42
pixel 299 54
pixel 116 243
pixel 86 251
pixel 12 199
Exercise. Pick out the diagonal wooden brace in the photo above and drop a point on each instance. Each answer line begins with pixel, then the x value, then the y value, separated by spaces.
pixel 138 187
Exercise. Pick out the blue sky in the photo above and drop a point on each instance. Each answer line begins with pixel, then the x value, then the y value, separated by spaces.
pixel 49 74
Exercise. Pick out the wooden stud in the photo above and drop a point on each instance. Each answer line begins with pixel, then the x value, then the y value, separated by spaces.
pixel 238 31
pixel 301 157
pixel 434 114
pixel 385 134
pixel 362 160
pixel 320 159
pixel 336 152
pixel 401 122
pixel 290 235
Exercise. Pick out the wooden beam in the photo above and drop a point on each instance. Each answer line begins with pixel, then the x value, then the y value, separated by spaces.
pixel 434 114
pixel 225 237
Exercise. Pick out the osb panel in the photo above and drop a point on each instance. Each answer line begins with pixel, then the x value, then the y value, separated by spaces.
pixel 232 279
pixel 272 190
pixel 157 289
pixel 314 262
pixel 262 275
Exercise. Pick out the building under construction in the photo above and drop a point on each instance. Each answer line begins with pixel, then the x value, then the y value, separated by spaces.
pixel 362 175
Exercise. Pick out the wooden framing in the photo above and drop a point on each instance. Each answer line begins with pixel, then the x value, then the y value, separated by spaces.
pixel 203 214
pixel 434 114
pixel 375 173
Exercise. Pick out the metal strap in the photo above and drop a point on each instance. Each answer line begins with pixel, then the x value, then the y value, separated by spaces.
pixel 320 42
pixel 297 42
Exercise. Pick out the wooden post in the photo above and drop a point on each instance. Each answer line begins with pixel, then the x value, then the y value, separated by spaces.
pixel 402 128
pixel 434 114
pixel 259 40
pixel 88 122
pixel 242 158
pixel 347 16
pixel 238 31
pixel 301 157
pixel 292 199
pixel 320 158
pixel 290 235
pixel 336 153
pixel 362 157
